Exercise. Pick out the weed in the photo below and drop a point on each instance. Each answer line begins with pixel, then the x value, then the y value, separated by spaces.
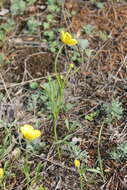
pixel 103 35
pixel 113 111
pixel 7 27
pixel 82 170
pixel 1 97
pixel 91 116
pixel 88 29
pixel 18 7
pixel 119 153
pixel 53 6
pixel 77 153
pixel 54 92
pixel 33 25
pixel 33 85
pixel 81 53
pixel 72 125
pixel 80 162
pixel 50 35
pixel 30 2
pixel 2 36
pixel 99 5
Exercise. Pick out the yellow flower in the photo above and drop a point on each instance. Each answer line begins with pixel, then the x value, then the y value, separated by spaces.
pixel 77 163
pixel 1 173
pixel 29 132
pixel 68 39
pixel 71 65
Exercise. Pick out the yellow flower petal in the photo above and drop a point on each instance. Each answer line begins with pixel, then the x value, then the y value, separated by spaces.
pixel 33 135
pixel 71 65
pixel 27 127
pixel 29 132
pixel 77 163
pixel 1 173
pixel 68 39
pixel 62 36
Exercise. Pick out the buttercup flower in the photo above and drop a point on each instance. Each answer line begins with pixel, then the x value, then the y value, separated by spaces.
pixel 77 163
pixel 68 39
pixel 29 132
pixel 71 65
pixel 1 173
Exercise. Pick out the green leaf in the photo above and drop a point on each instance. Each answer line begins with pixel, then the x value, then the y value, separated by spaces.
pixel 31 2
pixel 46 25
pixel 32 25
pixel 88 29
pixel 2 36
pixel 93 170
pixel 100 5
pixel 1 96
pixel 83 43
pixel 18 7
pixel 33 85
pixel 88 52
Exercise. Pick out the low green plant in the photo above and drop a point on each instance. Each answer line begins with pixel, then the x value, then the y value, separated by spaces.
pixel 36 100
pixel 1 97
pixel 81 53
pixel 91 116
pixel 7 27
pixel 50 35
pixel 2 36
pixel 83 170
pixel 30 2
pixel 113 111
pixel 81 157
pixel 18 7
pixel 76 56
pixel 103 35
pixel 77 153
pixel 99 5
pixel 54 46
pixel 72 125
pixel 33 25
pixel 53 6
pixel 119 153
pixel 33 85
pixel 88 29
pixel 51 19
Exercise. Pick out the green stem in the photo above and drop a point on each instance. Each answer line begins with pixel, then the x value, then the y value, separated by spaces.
pixel 56 59
pixel 81 182
pixel 99 154
pixel 56 138
pixel 55 128
pixel 81 179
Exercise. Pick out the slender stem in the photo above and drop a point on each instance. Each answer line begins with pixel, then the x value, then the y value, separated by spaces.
pixel 81 178
pixel 99 154
pixel 55 126
pixel 56 59
pixel 56 138
pixel 81 181
pixel 55 114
